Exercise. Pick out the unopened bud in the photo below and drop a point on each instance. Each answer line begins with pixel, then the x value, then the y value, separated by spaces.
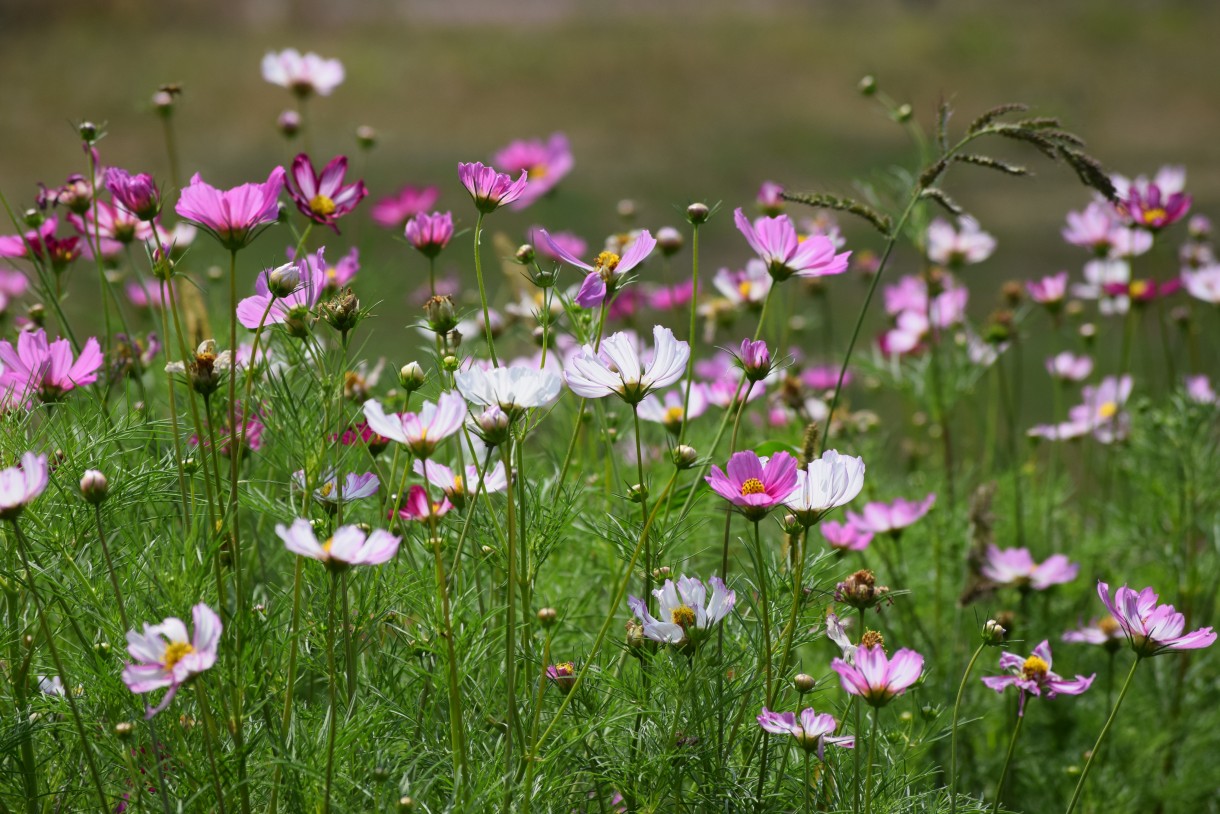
pixel 638 493
pixel 698 213
pixel 803 682
pixel 626 209
pixel 163 102
pixel 89 131
pixel 525 254
pixel 406 803
pixel 283 280
pixel 867 85
pixel 662 573
pixel 1013 293
pixel 289 123
pixel 451 363
pixel 1088 332
pixel 411 376
pixel 547 617
pixel 94 487
pixel 993 633
pixel 441 314
pixel 366 137
pixel 124 729
pixel 669 240
pixel 37 314
pixel 903 113
pixel 684 456
pixel 381 773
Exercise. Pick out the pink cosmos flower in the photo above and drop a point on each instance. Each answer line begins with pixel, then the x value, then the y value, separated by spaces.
pixel 137 194
pixel 546 164
pixel 429 234
pixel 668 411
pixel 776 243
pixel 608 269
pixel 418 508
pixel 47 370
pixel 1105 631
pixel 421 432
pixel 670 297
pixel 1033 675
pixel 1151 628
pixel 572 244
pixel 112 227
pixel 490 189
pixel 891 518
pixel 235 216
pixel 754 359
pixel 393 211
pixel 726 394
pixel 294 306
pixel 458 487
pixel 303 75
pixel 968 244
pixel 1154 204
pixel 20 484
pixel 1203 284
pixel 876 678
pixel 812 731
pixel 1100 227
pixel 20 245
pixel 1015 566
pixel 748 286
pixel 166 655
pixel 845 536
pixel 1069 367
pixel 824 377
pixel 1199 390
pixel 1102 412
pixel 686 614
pixel 349 545
pixel 333 491
pixel 562 675
pixel 770 198
pixel 338 276
pixel 751 486
pixel 1049 291
pixel 828 482
pixel 323 197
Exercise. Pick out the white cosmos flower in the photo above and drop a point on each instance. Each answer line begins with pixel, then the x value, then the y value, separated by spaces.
pixel 683 614
pixel 618 367
pixel 828 482
pixel 512 389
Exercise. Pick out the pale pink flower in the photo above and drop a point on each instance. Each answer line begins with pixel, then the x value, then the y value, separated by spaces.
pixel 20 484
pixel 890 518
pixel 965 245
pixel 876 678
pixel 1015 566
pixel 545 162
pixel 1034 675
pixel 1069 367
pixel 776 243
pixel 421 432
pixel 166 655
pixel 349 545
pixel 303 75
pixel 812 731
pixel 1151 628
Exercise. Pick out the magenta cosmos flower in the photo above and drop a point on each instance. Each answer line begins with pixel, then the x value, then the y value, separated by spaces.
pixel 323 197
pixel 1033 675
pixel 607 270
pixel 1015 567
pixel 421 432
pixel 1154 204
pixel 875 677
pixel 1151 628
pixel 811 730
pixel 775 241
pixel 348 546
pixel 429 234
pixel 545 162
pixel 845 536
pixel 166 655
pixel 752 486
pixel 138 194
pixel 46 369
pixel 490 189
pixel 419 508
pixel 891 518
pixel 303 75
pixel 234 216
pixel 393 211
pixel 20 484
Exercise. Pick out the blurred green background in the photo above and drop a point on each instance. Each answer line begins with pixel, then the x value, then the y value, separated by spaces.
pixel 664 103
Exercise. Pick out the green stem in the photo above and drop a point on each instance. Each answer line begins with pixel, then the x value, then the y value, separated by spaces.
pixel 690 337
pixel 286 716
pixel 868 770
pixel 957 705
pixel 530 757
pixel 114 579
pixel 334 701
pixel 210 744
pixel 1104 730
pixel 173 408
pixel 510 619
pixel 1012 747
pixel 764 608
pixel 478 271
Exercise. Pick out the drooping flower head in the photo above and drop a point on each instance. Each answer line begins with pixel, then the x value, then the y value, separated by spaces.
pixel 349 545
pixel 323 197
pixel 303 75
pixel 137 194
pixel 234 216
pixel 619 368
pixel 893 517
pixel 775 241
pixel 965 245
pixel 685 612
pixel 752 486
pixel 826 483
pixel 393 211
pixel 166 655
pixel 875 677
pixel 512 389
pixel 811 730
pixel 47 370
pixel 545 162
pixel 490 189
pixel 1015 567
pixel 421 432
pixel 20 484
pixel 1150 627
pixel 607 270
pixel 1034 675
pixel 429 234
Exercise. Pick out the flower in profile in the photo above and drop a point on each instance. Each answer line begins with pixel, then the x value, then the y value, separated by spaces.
pixel 619 367
pixel 545 162
pixel 166 655
pixel 572 244
pixel 812 731
pixel 421 432
pixel 1104 631
pixel 1049 291
pixel 323 197
pixel 562 675
pixel 36 367
pixel 1015 567
pixel 1199 390
pixel 110 227
pixel 686 613
pixel 1034 675
pixel 303 75
pixel 845 536
pixel 490 189
pixel 891 518
pixel 333 490
pixel 429 234
pixel 754 359
pixel 753 486
pixel 1069 367
pixel 1203 284
pixel 875 677
pixel 419 508
pixel 770 198
pixel 826 483
pixel 266 308
pixel 234 216
pixel 746 287
pixel 669 411
pixel 512 389
pixel 393 211
pixel 775 241
pixel 966 245
pixel 1154 204
pixel 20 484
pixel 1150 627
pixel 607 271
pixel 349 545
pixel 137 194
pixel 1101 228
pixel 457 487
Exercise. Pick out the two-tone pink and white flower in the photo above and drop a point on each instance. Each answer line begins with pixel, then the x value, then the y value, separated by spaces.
pixel 828 482
pixel 775 241
pixel 302 74
pixel 1069 367
pixel 1016 567
pixel 457 487
pixel 813 731
pixel 420 432
pixel 966 245
pixel 167 655
pixel 607 270
pixel 685 613
pixel 20 484
pixel 619 368
pixel 323 197
pixel 876 678
pixel 1150 627
pixel 348 546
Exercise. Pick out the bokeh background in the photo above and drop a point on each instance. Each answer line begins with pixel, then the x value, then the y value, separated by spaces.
pixel 664 103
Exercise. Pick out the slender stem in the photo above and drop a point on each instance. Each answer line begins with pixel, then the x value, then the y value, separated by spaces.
pixel 210 744
pixel 643 494
pixel 807 784
pixel 114 579
pixel 478 271
pixel 868 770
pixel 1012 746
pixel 957 705
pixel 690 337
pixel 798 572
pixel 510 619
pixel 764 608
pixel 334 701
pixel 286 716
pixel 530 758
pixel 349 651
pixel 173 408
pixel 1104 730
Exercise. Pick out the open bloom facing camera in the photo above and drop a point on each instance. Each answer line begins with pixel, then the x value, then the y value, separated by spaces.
pixel 1151 628
pixel 752 485
pixel 686 613
pixel 348 546
pixel 165 655
pixel 812 731
pixel 875 677
pixel 1033 675
pixel 303 75
pixel 620 369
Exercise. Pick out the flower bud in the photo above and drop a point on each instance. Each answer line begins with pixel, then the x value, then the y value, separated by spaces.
pixel 283 280
pixel 381 773
pixel 525 254
pixel 669 240
pixel 163 102
pixel 993 633
pixel 860 590
pixel 94 487
pixel 903 113
pixel 441 314
pixel 341 312
pixel 124 729
pixel 662 573
pixel 867 85
pixel 803 682
pixel 626 209
pixel 638 493
pixel 1013 293
pixel 89 132
pixel 684 456
pixel 37 314
pixel 406 803
pixel 451 363
pixel 492 425
pixel 1088 332
pixel 698 213
pixel 366 137
pixel 547 617
pixel 411 376
pixel 289 123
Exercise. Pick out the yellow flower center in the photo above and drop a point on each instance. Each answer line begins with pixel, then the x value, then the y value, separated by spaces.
pixel 458 485
pixel 321 206
pixel 752 486
pixel 1108 410
pixel 175 652
pixel 1035 668
pixel 683 616
pixel 745 287
pixel 326 546
pixel 331 273
pixel 1153 215
pixel 537 171
pixel 1139 288
pixel 607 261
pixel 326 489
pixel 1108 626
pixel 673 415
pixel 565 668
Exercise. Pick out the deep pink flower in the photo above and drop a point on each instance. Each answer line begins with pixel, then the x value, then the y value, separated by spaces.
pixel 890 518
pixel 845 535
pixel 1049 291
pixel 812 731
pixel 418 508
pixel 608 269
pixel 234 216
pixel 1151 628
pixel 667 298
pixel 39 244
pixel 562 675
pixel 1154 208
pixel 1033 675
pixel 754 359
pixel 135 193
pixel 876 678
pixel 490 189
pixel 20 484
pixel 323 197
pixel 430 233
pixel 752 487
pixel 393 211
pixel 776 243
pixel 824 377
pixel 36 367
pixel 165 655
pixel 1015 566
pixel 546 164
pixel 770 198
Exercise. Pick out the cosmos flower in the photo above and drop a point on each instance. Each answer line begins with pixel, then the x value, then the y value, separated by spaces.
pixel 349 545
pixel 490 189
pixel 429 234
pixel 1069 367
pixel 1203 284
pixel 572 244
pixel 421 432
pixel 333 491
pixel 1049 291
pixel 966 245
pixel 20 484
pixel 619 367
pixel 1104 631
pixel 1154 204
pixel 746 287
pixel 812 731
pixel 419 508
pixel 295 305
pixel 770 198
pixel 826 483
pixel 684 617
pixel 1033 675
pixel 1199 390
pixel 775 241
pixel 1015 566
pixel 845 536
pixel 876 678
pixel 166 655
pixel 303 75
pixel 608 269
pixel 1150 627
pixel 512 389
pixel 562 675
pixel 545 162
pixel 890 518
pixel 669 411
pixel 234 216
pixel 393 211
pixel 1100 277
pixel 137 194
pixel 458 487
pixel 36 367
pixel 751 486
pixel 323 197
